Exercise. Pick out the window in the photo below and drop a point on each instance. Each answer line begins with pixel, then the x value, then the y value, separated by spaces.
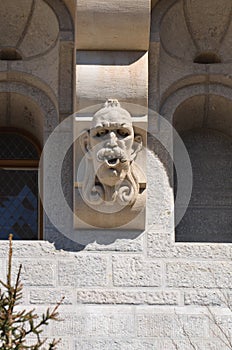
pixel 19 204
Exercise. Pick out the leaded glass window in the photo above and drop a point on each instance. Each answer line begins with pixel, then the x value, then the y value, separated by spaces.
pixel 19 206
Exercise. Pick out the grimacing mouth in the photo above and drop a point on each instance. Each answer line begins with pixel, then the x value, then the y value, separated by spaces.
pixel 111 157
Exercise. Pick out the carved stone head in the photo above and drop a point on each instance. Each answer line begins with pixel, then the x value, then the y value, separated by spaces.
pixel 112 146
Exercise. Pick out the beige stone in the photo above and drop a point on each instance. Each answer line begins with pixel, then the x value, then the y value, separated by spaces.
pixel 113 25
pixel 100 74
pixel 111 185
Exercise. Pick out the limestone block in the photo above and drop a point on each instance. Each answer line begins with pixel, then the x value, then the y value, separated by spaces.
pixel 50 296
pixel 63 343
pixel 199 274
pixel 159 193
pixel 135 271
pixel 113 25
pixel 36 272
pixel 90 270
pixel 29 249
pixel 136 297
pixel 206 297
pixel 149 344
pixel 221 325
pixel 117 344
pixel 151 324
pixel 160 343
pixel 161 245
pixel 95 323
pixel 111 74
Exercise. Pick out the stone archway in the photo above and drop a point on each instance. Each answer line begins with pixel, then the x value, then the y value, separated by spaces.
pixel 204 122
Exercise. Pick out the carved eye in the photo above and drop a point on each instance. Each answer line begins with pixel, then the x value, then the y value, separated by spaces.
pixel 102 132
pixel 123 132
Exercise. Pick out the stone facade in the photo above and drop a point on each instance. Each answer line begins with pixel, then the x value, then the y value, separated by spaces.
pixel 127 289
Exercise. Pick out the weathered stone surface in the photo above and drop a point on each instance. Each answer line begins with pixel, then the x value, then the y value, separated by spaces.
pixel 114 25
pixel 135 271
pixel 161 244
pixel 199 274
pixel 133 297
pixel 117 344
pixel 118 74
pixel 29 249
pixel 146 344
pixel 36 272
pixel 90 270
pixel 159 192
pixel 207 297
pixel 220 326
pixel 40 69
pixel 63 343
pixel 151 324
pixel 120 245
pixel 66 77
pixel 94 323
pixel 50 296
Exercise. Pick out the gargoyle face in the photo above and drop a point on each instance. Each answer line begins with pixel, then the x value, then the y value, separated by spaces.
pixel 112 147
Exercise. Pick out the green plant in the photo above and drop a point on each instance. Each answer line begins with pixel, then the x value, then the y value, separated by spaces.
pixel 16 325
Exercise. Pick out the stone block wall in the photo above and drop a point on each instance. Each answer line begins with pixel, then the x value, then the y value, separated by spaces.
pixel 137 291
pixel 154 296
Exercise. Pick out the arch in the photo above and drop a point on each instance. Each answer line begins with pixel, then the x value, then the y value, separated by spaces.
pixel 158 12
pixel 43 102
pixel 209 143
pixel 173 100
pixel 64 17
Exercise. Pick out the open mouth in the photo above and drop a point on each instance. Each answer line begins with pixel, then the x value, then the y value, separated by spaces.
pixel 112 161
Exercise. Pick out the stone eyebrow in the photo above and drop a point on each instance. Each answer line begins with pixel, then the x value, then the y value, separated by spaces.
pixel 115 124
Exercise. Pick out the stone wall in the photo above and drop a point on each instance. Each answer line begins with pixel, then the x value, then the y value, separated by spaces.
pixel 136 290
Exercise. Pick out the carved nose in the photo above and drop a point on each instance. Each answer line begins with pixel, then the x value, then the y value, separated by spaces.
pixel 112 141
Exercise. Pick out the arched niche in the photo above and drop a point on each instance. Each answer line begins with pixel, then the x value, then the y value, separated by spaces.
pixel 204 123
pixel 29 108
pixel 26 110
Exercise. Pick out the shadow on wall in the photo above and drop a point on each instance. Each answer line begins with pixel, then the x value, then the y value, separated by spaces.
pixel 204 123
pixel 122 58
